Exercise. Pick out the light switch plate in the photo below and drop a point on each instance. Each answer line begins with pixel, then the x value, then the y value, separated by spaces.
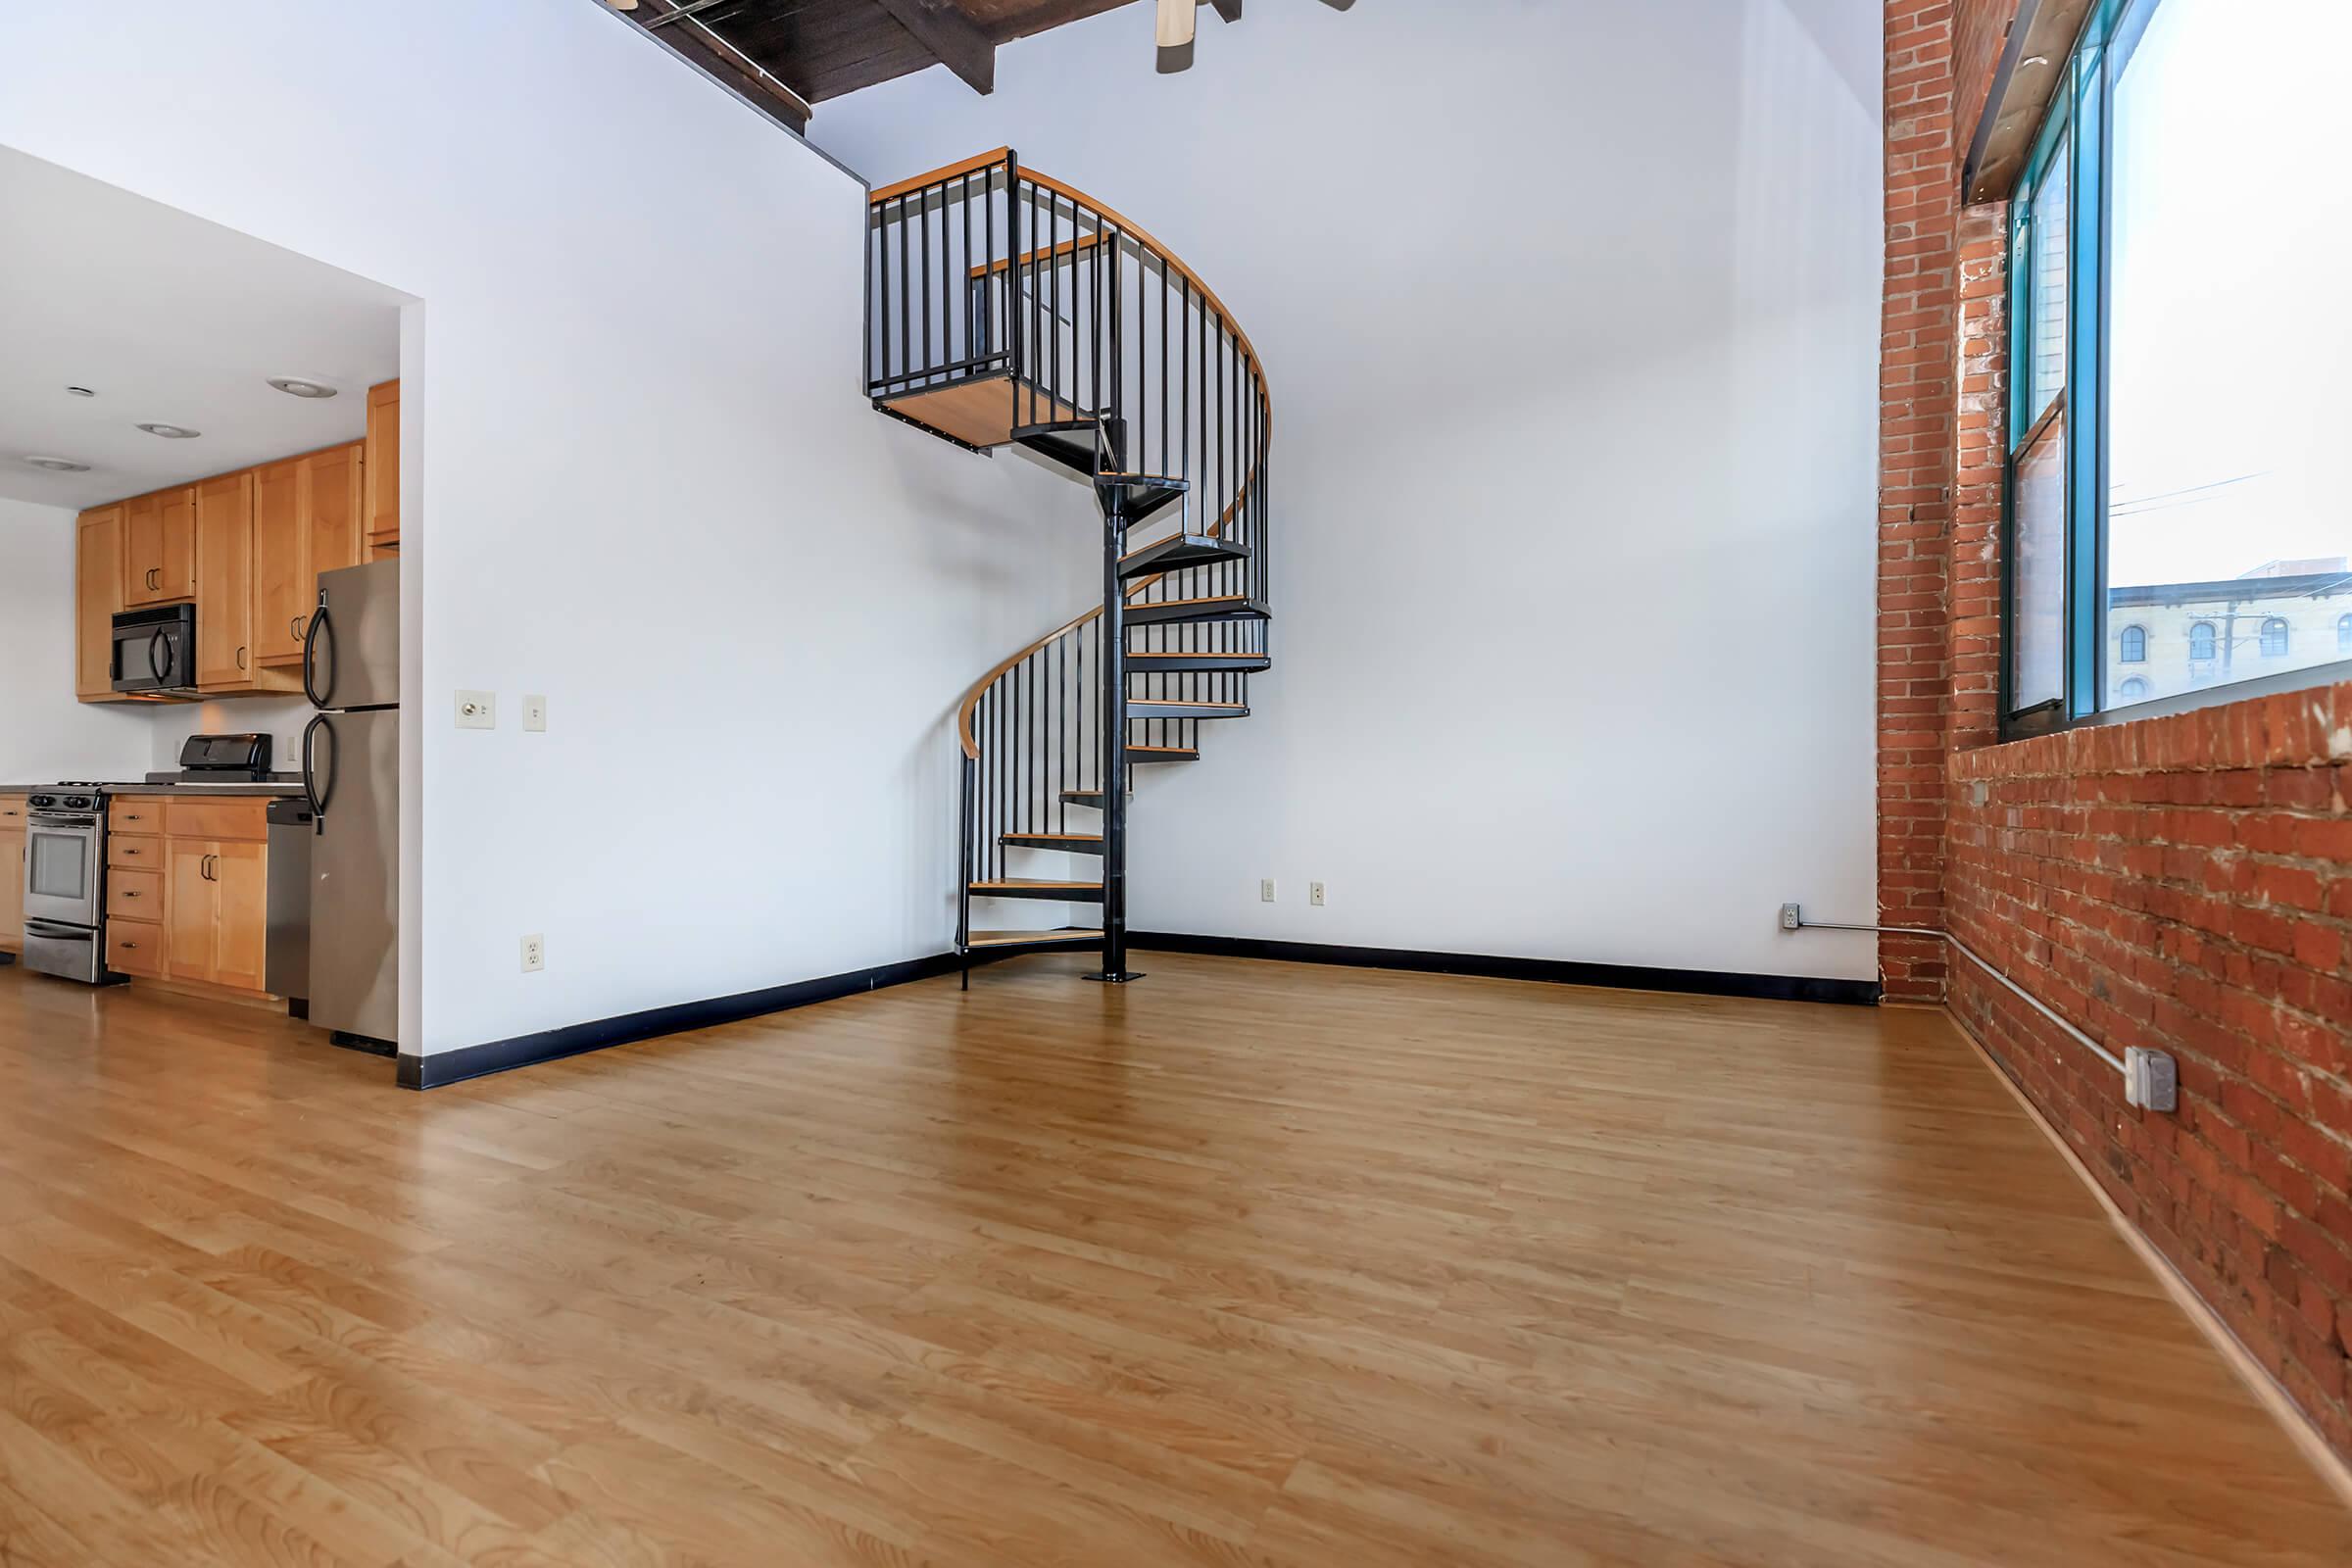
pixel 534 714
pixel 478 711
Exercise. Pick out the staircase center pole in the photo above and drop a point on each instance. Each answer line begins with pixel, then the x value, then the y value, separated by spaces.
pixel 1114 969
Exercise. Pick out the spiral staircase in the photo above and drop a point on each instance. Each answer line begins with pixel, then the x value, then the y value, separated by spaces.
pixel 1008 308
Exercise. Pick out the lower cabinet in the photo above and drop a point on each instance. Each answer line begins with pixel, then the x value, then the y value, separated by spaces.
pixel 12 873
pixel 187 896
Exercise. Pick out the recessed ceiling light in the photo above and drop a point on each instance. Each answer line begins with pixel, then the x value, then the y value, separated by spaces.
pixel 301 386
pixel 172 432
pixel 56 464
pixel 81 391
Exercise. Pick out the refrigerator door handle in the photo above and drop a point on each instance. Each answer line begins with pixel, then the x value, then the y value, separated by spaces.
pixel 310 659
pixel 312 794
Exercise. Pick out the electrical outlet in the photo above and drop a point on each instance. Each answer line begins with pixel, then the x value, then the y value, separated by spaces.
pixel 1791 920
pixel 534 714
pixel 1314 894
pixel 534 953
pixel 478 711
pixel 1265 891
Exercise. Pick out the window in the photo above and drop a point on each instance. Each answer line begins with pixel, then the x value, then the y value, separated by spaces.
pixel 2173 420
pixel 2133 690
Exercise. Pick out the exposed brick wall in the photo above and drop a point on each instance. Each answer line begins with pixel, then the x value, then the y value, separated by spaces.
pixel 1917 383
pixel 2186 883
pixel 1979 32
pixel 1974 653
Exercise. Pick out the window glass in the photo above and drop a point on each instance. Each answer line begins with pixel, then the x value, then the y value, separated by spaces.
pixel 2037 631
pixel 2135 646
pixel 2046 234
pixel 2344 635
pixel 2229 524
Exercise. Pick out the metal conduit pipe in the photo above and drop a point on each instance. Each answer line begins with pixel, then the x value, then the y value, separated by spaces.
pixel 2149 1076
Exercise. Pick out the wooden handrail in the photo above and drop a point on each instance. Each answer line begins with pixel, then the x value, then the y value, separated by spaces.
pixel 968 165
pixel 971 699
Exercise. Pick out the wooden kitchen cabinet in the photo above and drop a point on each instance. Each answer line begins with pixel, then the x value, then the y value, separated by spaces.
pixel 159 548
pixel 225 581
pixel 188 888
pixel 97 598
pixel 12 873
pixel 382 465
pixel 307 518
pixel 216 920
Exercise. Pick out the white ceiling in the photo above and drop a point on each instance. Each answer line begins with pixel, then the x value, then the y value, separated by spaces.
pixel 170 320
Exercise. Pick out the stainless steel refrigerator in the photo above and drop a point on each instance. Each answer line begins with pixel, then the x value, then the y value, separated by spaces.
pixel 350 778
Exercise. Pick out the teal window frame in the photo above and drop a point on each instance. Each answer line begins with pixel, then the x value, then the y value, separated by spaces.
pixel 2078 126
pixel 2078 129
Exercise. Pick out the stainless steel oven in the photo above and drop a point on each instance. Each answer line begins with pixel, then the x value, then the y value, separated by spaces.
pixel 154 650
pixel 65 868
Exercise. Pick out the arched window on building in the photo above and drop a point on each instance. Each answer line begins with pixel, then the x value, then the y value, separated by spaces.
pixel 2274 638
pixel 2133 690
pixel 2136 645
pixel 2200 640
pixel 2344 635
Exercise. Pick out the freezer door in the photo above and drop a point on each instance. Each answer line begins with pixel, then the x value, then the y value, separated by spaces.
pixel 355 876
pixel 350 653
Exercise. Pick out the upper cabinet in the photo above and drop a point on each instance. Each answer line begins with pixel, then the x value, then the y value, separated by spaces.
pixel 306 519
pixel 247 547
pixel 228 577
pixel 97 597
pixel 383 468
pixel 159 548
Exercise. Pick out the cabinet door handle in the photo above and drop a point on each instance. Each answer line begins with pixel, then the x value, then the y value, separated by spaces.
pixel 294 628
pixel 130 892
pixel 155 578
pixel 129 945
pixel 208 869
pixel 240 659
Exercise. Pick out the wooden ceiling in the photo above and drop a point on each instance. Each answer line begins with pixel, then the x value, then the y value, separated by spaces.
pixel 786 55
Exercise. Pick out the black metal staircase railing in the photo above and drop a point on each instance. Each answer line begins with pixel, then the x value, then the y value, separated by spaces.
pixel 1008 308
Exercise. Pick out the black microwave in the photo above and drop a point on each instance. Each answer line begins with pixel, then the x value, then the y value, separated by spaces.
pixel 154 650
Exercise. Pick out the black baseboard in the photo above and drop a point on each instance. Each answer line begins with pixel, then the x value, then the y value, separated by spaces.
pixel 1557 971
pixel 522 1051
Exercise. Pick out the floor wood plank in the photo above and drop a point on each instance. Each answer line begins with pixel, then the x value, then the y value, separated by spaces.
pixel 1247 1264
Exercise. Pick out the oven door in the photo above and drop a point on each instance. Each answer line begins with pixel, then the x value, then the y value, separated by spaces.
pixel 60 871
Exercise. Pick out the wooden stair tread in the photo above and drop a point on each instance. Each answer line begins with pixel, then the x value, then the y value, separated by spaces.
pixel 1008 939
pixel 1084 838
pixel 1238 710
pixel 1033 882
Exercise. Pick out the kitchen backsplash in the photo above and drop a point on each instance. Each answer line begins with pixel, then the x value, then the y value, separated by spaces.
pixel 280 717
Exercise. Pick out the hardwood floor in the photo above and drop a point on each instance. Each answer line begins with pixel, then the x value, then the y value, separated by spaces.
pixel 1248 1264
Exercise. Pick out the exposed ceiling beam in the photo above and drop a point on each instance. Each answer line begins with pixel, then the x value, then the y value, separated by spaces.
pixel 694 41
pixel 950 34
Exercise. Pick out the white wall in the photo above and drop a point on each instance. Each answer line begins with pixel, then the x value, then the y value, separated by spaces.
pixel 640 477
pixel 1569 313
pixel 46 736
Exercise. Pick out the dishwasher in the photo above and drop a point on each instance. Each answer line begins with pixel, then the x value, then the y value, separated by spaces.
pixel 287 961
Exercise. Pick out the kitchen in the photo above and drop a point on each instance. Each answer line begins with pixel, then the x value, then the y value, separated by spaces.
pixel 199 613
